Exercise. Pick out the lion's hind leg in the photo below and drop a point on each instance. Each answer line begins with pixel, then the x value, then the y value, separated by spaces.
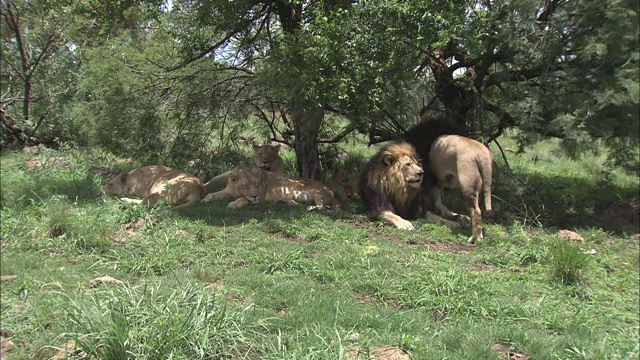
pixel 190 200
pixel 470 195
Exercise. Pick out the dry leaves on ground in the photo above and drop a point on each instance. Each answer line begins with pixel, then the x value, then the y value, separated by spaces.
pixel 377 353
pixel 509 354
pixel 104 280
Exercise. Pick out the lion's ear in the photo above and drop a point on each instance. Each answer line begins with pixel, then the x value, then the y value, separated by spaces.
pixel 123 177
pixel 389 159
pixel 277 147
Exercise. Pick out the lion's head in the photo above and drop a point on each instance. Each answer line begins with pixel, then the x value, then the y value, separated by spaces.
pixel 340 176
pixel 250 182
pixel 401 164
pixel 117 185
pixel 266 156
pixel 391 179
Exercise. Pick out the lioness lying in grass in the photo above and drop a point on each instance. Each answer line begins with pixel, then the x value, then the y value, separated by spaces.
pixel 251 184
pixel 154 183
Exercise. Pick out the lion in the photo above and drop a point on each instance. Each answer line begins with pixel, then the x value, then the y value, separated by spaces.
pixel 251 184
pixel 266 157
pixel 390 186
pixel 454 162
pixel 465 164
pixel 154 183
pixel 340 184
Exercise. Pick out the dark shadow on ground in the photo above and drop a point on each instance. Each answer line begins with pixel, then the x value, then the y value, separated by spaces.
pixel 561 202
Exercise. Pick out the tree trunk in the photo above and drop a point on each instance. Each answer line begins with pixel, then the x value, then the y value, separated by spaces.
pixel 307 119
pixel 456 100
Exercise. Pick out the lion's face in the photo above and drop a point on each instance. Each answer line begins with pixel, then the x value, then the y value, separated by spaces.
pixel 250 182
pixel 339 175
pixel 406 165
pixel 117 185
pixel 411 171
pixel 265 155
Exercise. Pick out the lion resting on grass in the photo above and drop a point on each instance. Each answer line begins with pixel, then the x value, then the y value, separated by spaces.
pixel 454 161
pixel 251 184
pixel 340 184
pixel 154 183
pixel 390 186
pixel 267 158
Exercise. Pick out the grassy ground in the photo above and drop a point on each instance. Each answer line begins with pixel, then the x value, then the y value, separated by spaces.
pixel 276 282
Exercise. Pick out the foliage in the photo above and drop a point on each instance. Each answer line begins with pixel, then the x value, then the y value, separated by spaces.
pixel 123 324
pixel 189 75
pixel 568 262
pixel 37 70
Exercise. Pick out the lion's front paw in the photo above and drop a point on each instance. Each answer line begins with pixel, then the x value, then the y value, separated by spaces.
pixel 209 198
pixel 464 218
pixel 237 203
pixel 473 238
pixel 404 225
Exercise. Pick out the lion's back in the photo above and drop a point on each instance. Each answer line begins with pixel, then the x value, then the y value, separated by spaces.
pixel 281 187
pixel 176 184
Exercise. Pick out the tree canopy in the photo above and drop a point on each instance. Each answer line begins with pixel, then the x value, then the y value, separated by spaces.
pixel 195 70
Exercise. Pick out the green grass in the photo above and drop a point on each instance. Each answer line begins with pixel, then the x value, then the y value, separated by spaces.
pixel 276 282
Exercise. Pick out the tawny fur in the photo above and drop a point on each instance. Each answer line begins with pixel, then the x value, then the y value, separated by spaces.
pixel 462 163
pixel 154 183
pixel 267 157
pixel 340 184
pixel 251 184
pixel 390 185
pixel 453 161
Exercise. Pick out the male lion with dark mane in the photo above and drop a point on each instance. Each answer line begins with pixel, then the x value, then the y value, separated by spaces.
pixel 251 184
pixel 154 183
pixel 454 161
pixel 390 186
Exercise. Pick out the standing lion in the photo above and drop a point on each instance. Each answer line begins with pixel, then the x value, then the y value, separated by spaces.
pixel 454 161
pixel 390 186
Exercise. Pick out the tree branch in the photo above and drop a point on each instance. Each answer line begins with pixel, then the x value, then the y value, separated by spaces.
pixel 230 35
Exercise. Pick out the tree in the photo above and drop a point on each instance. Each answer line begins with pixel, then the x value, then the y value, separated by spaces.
pixel 34 52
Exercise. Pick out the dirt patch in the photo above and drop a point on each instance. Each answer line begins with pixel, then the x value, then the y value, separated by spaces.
pixel 129 230
pixel 376 353
pixel 104 280
pixel 371 298
pixel 7 278
pixel 570 235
